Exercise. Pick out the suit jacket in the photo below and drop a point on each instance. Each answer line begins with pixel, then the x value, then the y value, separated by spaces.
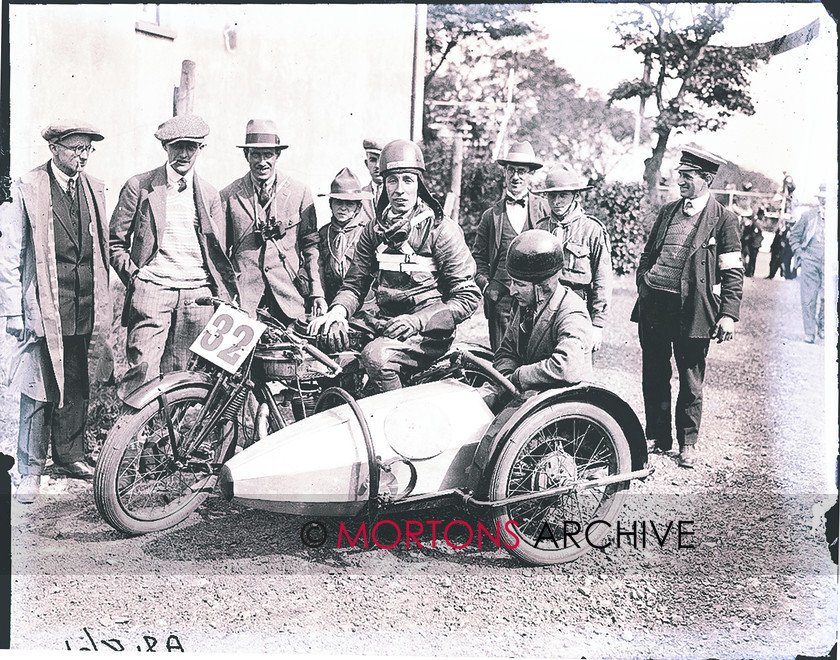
pixel 29 282
pixel 802 235
pixel 292 272
pixel 369 205
pixel 488 236
pixel 556 353
pixel 138 223
pixel 714 257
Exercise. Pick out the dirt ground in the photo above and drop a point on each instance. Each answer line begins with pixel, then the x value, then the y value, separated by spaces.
pixel 758 581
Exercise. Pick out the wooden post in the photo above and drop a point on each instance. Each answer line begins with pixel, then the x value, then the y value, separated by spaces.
pixel 457 168
pixel 183 96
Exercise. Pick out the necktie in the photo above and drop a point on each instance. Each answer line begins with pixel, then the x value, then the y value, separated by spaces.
pixel 511 200
pixel 527 324
pixel 182 184
pixel 71 189
pixel 264 194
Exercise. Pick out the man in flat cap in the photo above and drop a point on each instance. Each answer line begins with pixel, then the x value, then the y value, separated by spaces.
pixel 340 235
pixel 54 297
pixel 168 248
pixel 373 147
pixel 587 264
pixel 517 210
pixel 272 231
pixel 693 246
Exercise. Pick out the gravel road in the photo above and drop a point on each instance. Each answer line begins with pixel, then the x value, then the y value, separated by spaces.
pixel 758 581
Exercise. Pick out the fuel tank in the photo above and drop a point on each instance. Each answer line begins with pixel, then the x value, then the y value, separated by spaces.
pixel 319 465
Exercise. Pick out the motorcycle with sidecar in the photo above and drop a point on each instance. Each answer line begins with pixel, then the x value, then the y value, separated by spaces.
pixel 556 457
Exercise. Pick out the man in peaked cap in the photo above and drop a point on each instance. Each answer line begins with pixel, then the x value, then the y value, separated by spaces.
pixel 55 300
pixel 517 210
pixel 168 248
pixel 373 147
pixel 587 265
pixel 340 235
pixel 693 246
pixel 272 231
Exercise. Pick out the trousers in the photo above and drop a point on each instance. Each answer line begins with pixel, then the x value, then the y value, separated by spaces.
pixel 43 424
pixel 659 336
pixel 812 296
pixel 162 323
pixel 385 359
pixel 498 318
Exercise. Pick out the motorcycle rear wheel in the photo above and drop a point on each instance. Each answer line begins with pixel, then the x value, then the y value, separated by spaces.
pixel 567 442
pixel 138 487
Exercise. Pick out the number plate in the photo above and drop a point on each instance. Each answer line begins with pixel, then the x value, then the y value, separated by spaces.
pixel 228 338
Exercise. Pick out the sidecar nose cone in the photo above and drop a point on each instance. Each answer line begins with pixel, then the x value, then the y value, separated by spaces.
pixel 226 483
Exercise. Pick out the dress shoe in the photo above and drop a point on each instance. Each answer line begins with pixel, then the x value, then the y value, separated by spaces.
pixel 29 488
pixel 809 339
pixel 76 469
pixel 688 456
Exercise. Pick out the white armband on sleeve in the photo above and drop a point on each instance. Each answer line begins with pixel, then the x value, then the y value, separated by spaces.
pixel 729 260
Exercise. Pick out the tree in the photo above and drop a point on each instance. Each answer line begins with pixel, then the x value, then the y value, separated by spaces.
pixel 696 85
pixel 447 26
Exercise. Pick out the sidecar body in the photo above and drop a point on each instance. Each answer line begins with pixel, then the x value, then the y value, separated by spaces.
pixel 425 438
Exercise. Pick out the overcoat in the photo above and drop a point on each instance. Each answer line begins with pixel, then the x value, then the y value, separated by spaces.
pixel 29 283
pixel 138 223
pixel 714 258
pixel 290 272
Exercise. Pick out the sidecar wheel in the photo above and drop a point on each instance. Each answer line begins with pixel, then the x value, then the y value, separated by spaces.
pixel 137 486
pixel 565 443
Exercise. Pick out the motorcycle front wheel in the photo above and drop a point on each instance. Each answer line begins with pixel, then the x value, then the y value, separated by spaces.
pixel 141 485
pixel 567 443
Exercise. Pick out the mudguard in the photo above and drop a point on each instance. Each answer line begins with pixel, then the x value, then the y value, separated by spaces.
pixel 150 391
pixel 504 424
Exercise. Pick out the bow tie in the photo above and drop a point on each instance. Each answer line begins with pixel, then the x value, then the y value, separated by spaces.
pixel 511 200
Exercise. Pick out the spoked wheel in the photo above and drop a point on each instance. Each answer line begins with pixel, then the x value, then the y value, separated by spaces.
pixel 140 484
pixel 567 443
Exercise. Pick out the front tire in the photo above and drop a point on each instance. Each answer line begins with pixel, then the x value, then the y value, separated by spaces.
pixel 567 442
pixel 138 487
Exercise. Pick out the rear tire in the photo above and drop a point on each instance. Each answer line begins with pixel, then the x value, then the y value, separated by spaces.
pixel 138 487
pixel 567 442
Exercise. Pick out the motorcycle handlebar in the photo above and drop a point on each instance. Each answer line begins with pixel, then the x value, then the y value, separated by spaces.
pixel 320 356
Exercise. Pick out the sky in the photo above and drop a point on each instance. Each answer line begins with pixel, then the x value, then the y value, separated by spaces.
pixel 795 93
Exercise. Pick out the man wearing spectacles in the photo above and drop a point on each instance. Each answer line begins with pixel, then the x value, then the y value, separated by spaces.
pixel 54 299
pixel 168 248
pixel 515 212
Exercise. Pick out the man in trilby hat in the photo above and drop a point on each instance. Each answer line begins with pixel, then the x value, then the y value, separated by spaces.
pixel 516 211
pixel 340 235
pixel 272 231
pixel 587 264
pixel 373 147
pixel 419 267
pixel 693 246
pixel 55 300
pixel 807 242
pixel 168 248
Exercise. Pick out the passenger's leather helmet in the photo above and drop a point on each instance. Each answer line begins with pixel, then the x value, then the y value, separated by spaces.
pixel 534 255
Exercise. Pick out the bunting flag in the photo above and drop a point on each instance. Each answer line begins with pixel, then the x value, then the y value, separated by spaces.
pixel 787 42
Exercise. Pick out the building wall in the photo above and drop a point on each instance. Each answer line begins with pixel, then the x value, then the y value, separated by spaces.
pixel 329 75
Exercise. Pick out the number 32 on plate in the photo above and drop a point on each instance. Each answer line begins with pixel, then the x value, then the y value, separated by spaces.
pixel 228 338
